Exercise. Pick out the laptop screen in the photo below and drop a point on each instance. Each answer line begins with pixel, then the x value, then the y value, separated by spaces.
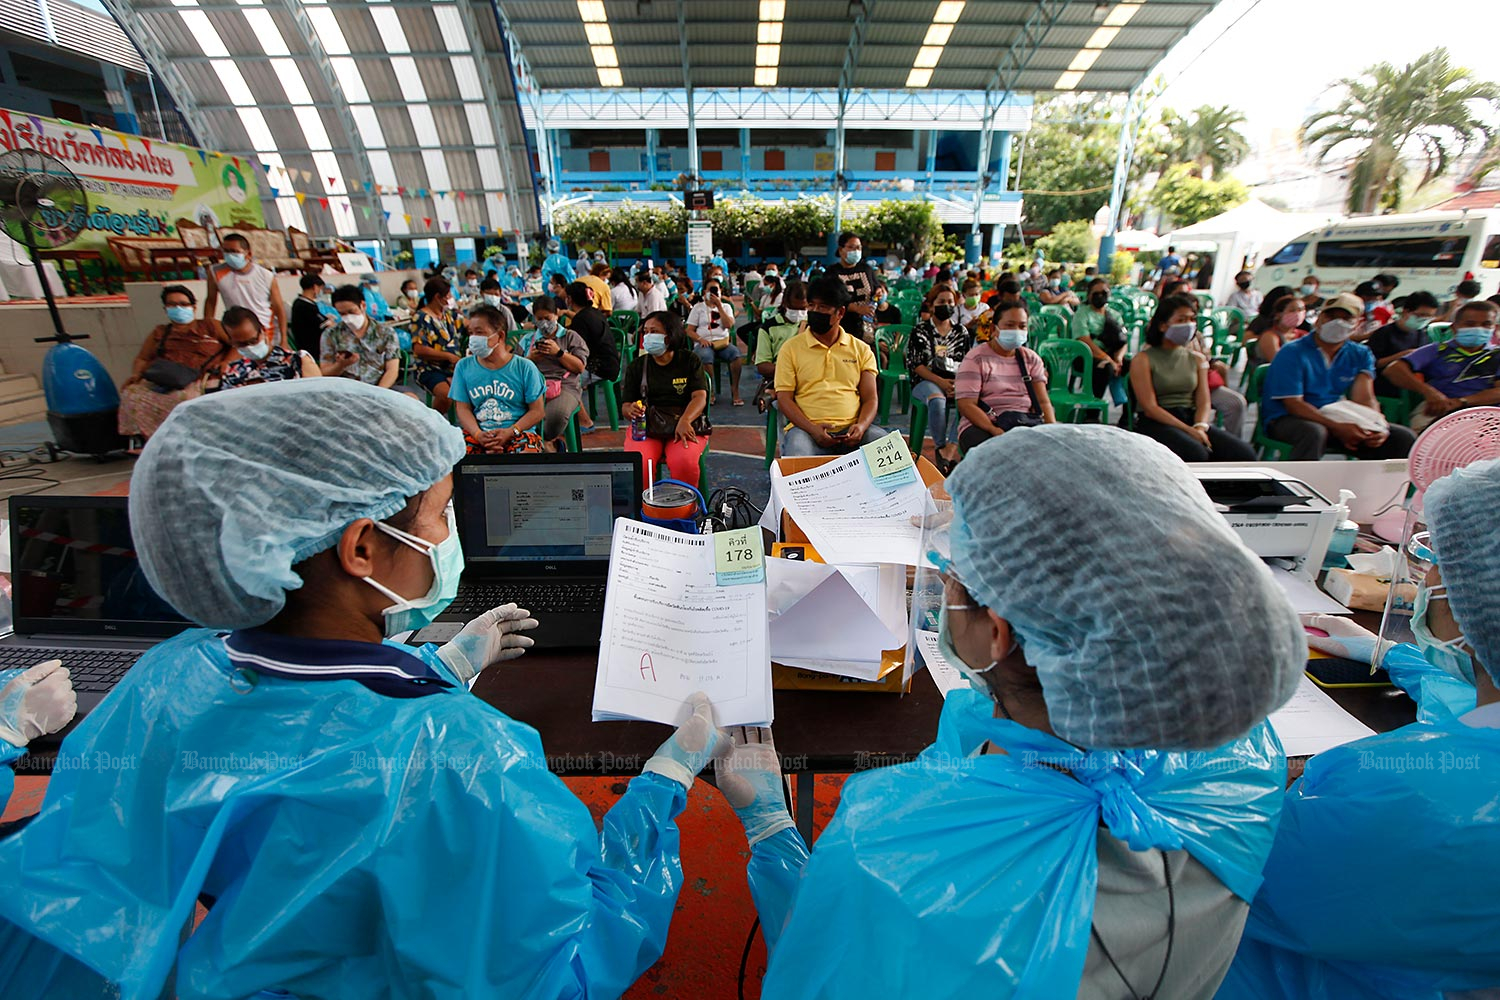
pixel 555 515
pixel 74 570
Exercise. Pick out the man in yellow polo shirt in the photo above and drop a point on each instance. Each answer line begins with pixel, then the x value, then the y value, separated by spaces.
pixel 825 380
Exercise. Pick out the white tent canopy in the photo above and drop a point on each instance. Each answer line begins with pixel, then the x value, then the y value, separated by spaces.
pixel 1245 234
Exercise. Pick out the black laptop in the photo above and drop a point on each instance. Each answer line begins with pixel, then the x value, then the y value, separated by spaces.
pixel 78 593
pixel 536 530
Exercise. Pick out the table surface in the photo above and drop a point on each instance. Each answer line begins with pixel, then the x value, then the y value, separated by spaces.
pixel 816 731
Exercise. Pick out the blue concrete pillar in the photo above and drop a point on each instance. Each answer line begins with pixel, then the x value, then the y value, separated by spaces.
pixel 652 137
pixel 745 158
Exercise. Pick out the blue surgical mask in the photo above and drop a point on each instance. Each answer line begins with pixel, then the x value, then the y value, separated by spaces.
pixel 447 556
pixel 1415 324
pixel 1307 290
pixel 181 315
pixel 236 261
pixel 479 345
pixel 654 344
pixel 1472 336
pixel 492 300
pixel 1010 339
pixel 1445 654
pixel 852 257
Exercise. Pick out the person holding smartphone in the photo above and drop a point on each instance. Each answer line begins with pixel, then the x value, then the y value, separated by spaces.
pixel 711 323
pixel 825 380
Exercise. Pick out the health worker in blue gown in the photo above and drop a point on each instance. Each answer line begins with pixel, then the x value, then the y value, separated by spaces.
pixel 357 823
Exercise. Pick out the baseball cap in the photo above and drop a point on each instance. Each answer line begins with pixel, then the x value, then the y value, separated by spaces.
pixel 1350 303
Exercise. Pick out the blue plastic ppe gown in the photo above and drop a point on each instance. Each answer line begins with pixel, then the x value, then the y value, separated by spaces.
pixel 376 304
pixel 355 844
pixel 1382 883
pixel 556 263
pixel 975 876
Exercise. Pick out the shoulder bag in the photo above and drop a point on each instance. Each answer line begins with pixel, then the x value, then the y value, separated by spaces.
pixel 1011 419
pixel 661 421
pixel 166 375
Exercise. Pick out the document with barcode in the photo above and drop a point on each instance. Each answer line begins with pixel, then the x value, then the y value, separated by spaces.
pixel 848 518
pixel 671 629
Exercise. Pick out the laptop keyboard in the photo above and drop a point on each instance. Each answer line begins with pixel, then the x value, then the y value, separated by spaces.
pixel 89 669
pixel 538 598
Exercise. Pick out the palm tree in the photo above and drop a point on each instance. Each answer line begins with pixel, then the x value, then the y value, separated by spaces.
pixel 1208 137
pixel 1423 109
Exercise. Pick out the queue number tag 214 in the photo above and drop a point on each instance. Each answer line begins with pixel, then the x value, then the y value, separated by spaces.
pixel 889 461
pixel 739 557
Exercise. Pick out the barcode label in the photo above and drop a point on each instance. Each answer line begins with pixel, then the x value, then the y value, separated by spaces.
pixel 578 496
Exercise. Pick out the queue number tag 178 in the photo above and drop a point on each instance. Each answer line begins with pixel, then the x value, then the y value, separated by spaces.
pixel 739 557
pixel 889 461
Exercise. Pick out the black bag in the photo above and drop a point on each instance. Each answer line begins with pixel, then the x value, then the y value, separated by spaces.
pixel 166 375
pixel 1112 336
pixel 661 421
pixel 1011 419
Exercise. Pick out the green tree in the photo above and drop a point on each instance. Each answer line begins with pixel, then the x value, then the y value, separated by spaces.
pixel 1207 136
pixel 1071 241
pixel 1429 108
pixel 1188 198
pixel 912 227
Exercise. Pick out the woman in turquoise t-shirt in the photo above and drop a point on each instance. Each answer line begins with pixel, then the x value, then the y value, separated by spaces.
pixel 498 395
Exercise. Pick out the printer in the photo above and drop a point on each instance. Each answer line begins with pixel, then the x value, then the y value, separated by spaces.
pixel 1278 518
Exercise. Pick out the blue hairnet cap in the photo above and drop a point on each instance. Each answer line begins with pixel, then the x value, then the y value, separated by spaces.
pixel 238 487
pixel 1461 514
pixel 1150 625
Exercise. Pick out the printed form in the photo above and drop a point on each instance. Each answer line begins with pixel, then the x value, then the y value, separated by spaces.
pixel 849 518
pixel 670 629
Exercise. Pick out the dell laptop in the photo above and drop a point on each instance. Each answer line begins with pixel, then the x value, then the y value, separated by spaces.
pixel 78 593
pixel 536 530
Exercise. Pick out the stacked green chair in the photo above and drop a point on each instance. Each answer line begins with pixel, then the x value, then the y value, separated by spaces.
pixel 1065 358
pixel 1271 450
pixel 1439 333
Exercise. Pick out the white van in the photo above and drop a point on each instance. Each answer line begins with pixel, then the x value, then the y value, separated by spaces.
pixel 1431 251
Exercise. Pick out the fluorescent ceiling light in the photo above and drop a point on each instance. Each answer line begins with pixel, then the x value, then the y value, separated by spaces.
pixel 928 56
pixel 938 34
pixel 773 10
pixel 919 78
pixel 610 78
pixel 948 11
pixel 767 55
pixel 592 10
pixel 598 34
pixel 768 33
pixel 1101 38
pixel 1084 60
pixel 1121 14
pixel 604 55
pixel 1068 80
pixel 765 76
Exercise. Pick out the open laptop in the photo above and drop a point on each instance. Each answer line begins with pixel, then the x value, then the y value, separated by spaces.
pixel 78 593
pixel 536 530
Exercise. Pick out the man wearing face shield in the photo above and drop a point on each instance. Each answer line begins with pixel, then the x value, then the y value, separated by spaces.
pixel 1311 373
pixel 1093 817
pixel 357 823
pixel 1382 882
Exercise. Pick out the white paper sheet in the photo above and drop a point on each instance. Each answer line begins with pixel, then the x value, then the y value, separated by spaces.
pixel 834 613
pixel 1305 596
pixel 670 630
pixel 848 518
pixel 1313 722
pixel 944 674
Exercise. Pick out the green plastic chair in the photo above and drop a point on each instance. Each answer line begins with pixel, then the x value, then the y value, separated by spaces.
pixel 1057 310
pixel 1205 301
pixel 1398 409
pixel 770 436
pixel 1439 333
pixel 573 437
pixel 919 424
pixel 893 373
pixel 1271 450
pixel 1064 359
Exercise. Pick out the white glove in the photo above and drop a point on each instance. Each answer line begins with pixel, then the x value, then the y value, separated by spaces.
pixel 487 640
pixel 35 702
pixel 750 778
pixel 692 746
pixel 1345 638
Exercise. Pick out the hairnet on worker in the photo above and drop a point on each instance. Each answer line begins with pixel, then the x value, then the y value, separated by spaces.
pixel 237 518
pixel 1461 509
pixel 363 825
pixel 1165 633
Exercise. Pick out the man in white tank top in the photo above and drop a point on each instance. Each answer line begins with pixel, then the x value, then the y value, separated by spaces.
pixel 242 282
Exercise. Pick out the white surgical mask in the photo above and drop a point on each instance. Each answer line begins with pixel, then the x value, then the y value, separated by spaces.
pixel 1335 331
pixel 356 321
pixel 256 351
pixel 795 315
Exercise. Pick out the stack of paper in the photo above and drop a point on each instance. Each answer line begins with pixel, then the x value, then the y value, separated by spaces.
pixel 1313 722
pixel 848 517
pixel 835 619
pixel 671 628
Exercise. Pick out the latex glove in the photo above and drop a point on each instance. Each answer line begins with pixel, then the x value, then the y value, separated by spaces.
pixel 750 778
pixel 35 702
pixel 487 640
pixel 1345 638
pixel 696 742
